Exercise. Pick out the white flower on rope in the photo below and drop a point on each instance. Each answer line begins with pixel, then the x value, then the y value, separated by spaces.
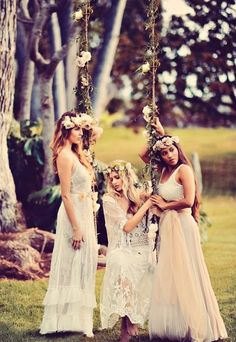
pixel 84 81
pixel 152 230
pixel 96 205
pixel 78 15
pixel 146 113
pixel 83 59
pixel 145 67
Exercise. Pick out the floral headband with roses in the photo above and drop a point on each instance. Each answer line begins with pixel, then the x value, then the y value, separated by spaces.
pixel 83 120
pixel 117 167
pixel 165 142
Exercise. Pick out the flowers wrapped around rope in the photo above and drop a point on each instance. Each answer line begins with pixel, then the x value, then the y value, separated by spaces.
pixel 84 84
pixel 87 123
pixel 151 110
pixel 150 66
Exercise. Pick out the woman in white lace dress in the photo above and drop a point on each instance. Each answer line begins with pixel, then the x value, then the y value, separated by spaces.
pixel 183 304
pixel 70 297
pixel 126 286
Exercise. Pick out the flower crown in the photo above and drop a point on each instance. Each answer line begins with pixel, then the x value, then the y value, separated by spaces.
pixel 165 142
pixel 83 120
pixel 118 166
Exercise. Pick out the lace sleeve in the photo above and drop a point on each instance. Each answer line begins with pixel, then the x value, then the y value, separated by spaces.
pixel 115 219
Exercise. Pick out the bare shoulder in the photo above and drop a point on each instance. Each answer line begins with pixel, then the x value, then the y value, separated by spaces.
pixel 65 157
pixel 185 170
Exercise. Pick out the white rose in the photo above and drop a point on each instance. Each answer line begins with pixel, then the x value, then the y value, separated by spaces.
pixel 67 123
pixel 152 227
pixel 147 110
pixel 152 230
pixel 175 139
pixel 80 62
pixel 86 117
pixel 158 145
pixel 96 133
pixel 84 81
pixel 76 120
pixel 145 67
pixel 86 55
pixel 78 15
pixel 168 141
pixel 146 113
pixel 128 166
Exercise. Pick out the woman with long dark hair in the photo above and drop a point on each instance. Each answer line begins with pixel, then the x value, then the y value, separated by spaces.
pixel 70 296
pixel 183 304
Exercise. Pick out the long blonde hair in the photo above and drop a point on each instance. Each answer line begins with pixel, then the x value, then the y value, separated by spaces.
pixel 61 134
pixel 130 187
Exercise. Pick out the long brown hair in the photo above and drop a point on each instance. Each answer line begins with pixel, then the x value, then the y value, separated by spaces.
pixel 61 134
pixel 183 159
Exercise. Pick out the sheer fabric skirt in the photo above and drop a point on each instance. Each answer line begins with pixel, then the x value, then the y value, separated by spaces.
pixel 70 297
pixel 126 288
pixel 183 304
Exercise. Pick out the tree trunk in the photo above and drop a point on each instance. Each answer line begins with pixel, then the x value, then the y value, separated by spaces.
pixel 59 88
pixel 26 78
pixel 46 69
pixel 197 170
pixel 106 56
pixel 71 77
pixel 7 78
pixel 47 115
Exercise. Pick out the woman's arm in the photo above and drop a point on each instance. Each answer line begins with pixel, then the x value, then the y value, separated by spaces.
pixel 144 153
pixel 137 218
pixel 187 180
pixel 64 167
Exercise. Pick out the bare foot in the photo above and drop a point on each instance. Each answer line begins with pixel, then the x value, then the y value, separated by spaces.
pixel 124 335
pixel 131 328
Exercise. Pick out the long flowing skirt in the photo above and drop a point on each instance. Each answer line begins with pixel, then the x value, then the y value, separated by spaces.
pixel 183 304
pixel 70 298
pixel 126 288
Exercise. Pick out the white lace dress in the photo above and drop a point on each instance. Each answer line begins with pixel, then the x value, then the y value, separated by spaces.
pixel 183 305
pixel 126 285
pixel 70 297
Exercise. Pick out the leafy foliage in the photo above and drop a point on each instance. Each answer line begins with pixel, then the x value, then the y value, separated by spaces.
pixel 197 54
pixel 26 156
pixel 44 205
pixel 199 60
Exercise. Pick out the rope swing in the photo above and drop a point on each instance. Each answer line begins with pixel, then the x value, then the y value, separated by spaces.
pixel 151 64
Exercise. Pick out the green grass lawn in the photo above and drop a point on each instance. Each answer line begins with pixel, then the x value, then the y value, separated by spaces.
pixel 20 302
pixel 123 143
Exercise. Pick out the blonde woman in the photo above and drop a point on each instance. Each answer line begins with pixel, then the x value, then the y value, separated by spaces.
pixel 70 296
pixel 126 286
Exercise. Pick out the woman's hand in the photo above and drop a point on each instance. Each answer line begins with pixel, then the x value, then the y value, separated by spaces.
pixel 158 126
pixel 148 203
pixel 156 210
pixel 158 200
pixel 77 238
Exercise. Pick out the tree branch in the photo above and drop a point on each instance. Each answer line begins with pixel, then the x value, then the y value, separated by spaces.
pixel 60 54
pixel 42 14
